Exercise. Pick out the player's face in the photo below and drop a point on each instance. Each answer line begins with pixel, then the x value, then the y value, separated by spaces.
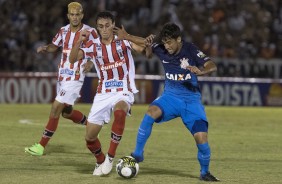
pixel 75 16
pixel 105 28
pixel 172 46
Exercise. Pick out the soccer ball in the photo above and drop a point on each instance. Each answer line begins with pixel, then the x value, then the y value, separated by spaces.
pixel 127 167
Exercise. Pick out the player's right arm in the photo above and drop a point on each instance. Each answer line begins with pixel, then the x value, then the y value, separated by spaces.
pixel 76 53
pixel 47 48
pixel 148 45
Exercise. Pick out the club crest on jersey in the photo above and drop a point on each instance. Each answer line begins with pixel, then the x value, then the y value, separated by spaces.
pixel 178 76
pixel 118 43
pixel 99 57
pixel 114 83
pixel 98 47
pixel 65 32
pixel 120 53
pixel 201 54
pixel 184 63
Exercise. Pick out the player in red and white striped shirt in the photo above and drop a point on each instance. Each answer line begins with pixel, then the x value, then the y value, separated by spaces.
pixel 70 76
pixel 115 93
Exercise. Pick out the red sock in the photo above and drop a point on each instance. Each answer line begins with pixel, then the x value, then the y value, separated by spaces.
pixel 49 131
pixel 77 117
pixel 117 131
pixel 95 148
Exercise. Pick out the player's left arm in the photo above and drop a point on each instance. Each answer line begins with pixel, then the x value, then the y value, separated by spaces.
pixel 88 66
pixel 208 67
pixel 123 35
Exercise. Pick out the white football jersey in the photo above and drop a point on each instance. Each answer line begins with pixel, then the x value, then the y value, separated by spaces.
pixel 114 65
pixel 66 39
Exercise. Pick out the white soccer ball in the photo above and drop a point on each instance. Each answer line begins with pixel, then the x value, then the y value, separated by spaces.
pixel 127 167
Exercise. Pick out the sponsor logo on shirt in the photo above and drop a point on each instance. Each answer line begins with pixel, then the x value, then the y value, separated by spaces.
pixel 114 83
pixel 66 71
pixel 112 65
pixel 177 76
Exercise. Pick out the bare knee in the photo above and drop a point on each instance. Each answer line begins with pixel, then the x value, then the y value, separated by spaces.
pixel 154 111
pixel 67 111
pixel 56 109
pixel 92 132
pixel 201 137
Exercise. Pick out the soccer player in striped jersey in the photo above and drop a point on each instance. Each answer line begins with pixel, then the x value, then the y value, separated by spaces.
pixel 116 87
pixel 182 62
pixel 70 76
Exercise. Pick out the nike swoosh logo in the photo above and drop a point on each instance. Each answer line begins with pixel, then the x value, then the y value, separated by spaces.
pixel 164 61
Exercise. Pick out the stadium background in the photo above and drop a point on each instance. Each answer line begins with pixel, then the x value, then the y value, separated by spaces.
pixel 244 38
pixel 245 141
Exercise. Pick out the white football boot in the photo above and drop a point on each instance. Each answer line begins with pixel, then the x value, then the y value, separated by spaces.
pixel 98 170
pixel 107 165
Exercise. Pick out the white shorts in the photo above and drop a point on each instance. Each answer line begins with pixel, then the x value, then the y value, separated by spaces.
pixel 103 106
pixel 68 91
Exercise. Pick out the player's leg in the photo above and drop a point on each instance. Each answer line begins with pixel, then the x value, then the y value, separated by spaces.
pixel 94 146
pixel 38 148
pixel 67 93
pixel 72 89
pixel 120 110
pixel 204 154
pixel 162 109
pixel 74 115
pixel 144 131
pixel 100 114
pixel 195 120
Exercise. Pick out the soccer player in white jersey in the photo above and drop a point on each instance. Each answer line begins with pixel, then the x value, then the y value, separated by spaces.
pixel 70 76
pixel 116 71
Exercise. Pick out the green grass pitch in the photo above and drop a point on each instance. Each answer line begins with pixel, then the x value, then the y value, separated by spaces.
pixel 245 144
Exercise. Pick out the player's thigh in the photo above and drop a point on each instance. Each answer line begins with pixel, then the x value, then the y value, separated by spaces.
pixel 194 117
pixel 100 111
pixel 104 104
pixel 68 92
pixel 123 101
pixel 169 106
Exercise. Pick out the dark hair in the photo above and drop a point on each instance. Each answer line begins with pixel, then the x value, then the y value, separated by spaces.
pixel 169 31
pixel 105 15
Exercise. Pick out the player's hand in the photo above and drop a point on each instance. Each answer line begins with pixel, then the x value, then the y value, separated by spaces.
pixel 149 39
pixel 42 49
pixel 194 70
pixel 84 34
pixel 120 33
pixel 88 66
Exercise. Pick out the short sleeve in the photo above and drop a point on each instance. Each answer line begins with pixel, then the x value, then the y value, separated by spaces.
pixel 57 40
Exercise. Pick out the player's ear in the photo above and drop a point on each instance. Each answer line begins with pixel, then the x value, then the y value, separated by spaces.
pixel 179 39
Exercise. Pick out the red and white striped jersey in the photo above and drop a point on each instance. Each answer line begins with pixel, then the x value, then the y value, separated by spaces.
pixel 114 65
pixel 66 39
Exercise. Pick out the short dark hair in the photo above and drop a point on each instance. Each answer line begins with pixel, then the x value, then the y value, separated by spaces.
pixel 169 31
pixel 105 15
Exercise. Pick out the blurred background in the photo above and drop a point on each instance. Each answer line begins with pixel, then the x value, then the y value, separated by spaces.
pixel 243 37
